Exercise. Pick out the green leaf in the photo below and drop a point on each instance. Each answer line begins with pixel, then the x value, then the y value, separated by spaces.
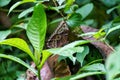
pixel 112 9
pixel 88 34
pixel 18 60
pixel 57 8
pixel 4 2
pixel 113 64
pixel 20 44
pixel 68 4
pixel 19 3
pixel 70 45
pixel 85 74
pixel 79 76
pixel 36 29
pixel 94 67
pixel 25 12
pixel 68 52
pixel 85 10
pixel 45 55
pixel 81 55
pixel 60 1
pixel 4 34
pixel 28 0
pixel 110 3
pixel 99 34
pixel 72 9
pixel 69 49
pixel 113 30
pixel 75 43
pixel 56 20
pixel 74 20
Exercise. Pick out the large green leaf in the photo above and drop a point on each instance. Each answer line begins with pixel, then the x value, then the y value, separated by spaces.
pixel 81 55
pixel 18 60
pixel 19 43
pixel 36 29
pixel 113 65
pixel 4 2
pixel 68 52
pixel 68 46
pixel 4 34
pixel 85 10
pixel 69 49
pixel 74 20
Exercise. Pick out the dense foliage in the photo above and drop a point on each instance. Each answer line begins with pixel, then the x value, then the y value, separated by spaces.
pixel 26 26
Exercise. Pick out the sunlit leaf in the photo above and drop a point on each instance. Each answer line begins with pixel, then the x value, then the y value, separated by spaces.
pixel 36 29
pixel 68 4
pixel 18 60
pixel 99 34
pixel 45 55
pixel 18 43
pixel 72 9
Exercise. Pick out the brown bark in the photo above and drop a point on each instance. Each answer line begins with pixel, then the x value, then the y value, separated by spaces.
pixel 103 48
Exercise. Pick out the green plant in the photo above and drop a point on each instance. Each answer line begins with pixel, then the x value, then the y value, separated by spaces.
pixel 36 38
pixel 75 13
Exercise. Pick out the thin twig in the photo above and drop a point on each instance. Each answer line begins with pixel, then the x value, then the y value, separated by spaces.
pixel 59 11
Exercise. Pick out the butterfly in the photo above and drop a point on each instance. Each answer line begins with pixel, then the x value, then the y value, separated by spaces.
pixel 58 39
pixel 59 36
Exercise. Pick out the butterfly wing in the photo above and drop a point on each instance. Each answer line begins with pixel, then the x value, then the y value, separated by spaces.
pixel 59 36
pixel 58 39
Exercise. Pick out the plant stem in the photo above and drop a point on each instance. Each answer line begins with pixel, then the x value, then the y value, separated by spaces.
pixel 6 10
pixel 109 46
pixel 39 77
pixel 57 6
